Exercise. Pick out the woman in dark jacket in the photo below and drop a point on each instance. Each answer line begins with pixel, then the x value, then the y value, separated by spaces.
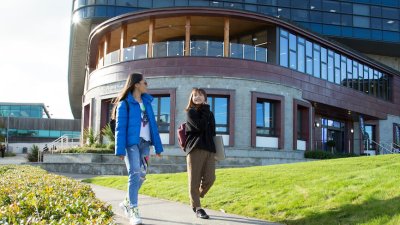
pixel 200 149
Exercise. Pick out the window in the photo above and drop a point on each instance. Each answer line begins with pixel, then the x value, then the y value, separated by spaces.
pixel 162 108
pixel 342 78
pixel 219 105
pixel 283 49
pixel 371 134
pixel 265 118
pixel 354 79
pixel 292 49
pixel 337 68
pixel 349 71
pixel 163 3
pixel 309 58
pixel 324 67
pixel 300 15
pixel 361 21
pixel 317 60
pixel 361 9
pixel 300 55
pixel 267 123
pixel 330 66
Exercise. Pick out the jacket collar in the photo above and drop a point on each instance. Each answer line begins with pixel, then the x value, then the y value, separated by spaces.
pixel 145 98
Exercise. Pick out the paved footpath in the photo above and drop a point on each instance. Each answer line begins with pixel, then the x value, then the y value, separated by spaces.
pixel 156 211
pixel 18 159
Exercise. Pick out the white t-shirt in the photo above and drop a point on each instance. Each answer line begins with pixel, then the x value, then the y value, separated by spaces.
pixel 145 127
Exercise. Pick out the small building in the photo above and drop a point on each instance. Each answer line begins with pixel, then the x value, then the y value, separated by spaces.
pixel 25 124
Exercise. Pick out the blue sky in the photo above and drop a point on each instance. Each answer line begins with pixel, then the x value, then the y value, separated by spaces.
pixel 34 45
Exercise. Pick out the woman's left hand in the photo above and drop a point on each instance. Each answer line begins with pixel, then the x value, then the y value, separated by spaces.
pixel 158 155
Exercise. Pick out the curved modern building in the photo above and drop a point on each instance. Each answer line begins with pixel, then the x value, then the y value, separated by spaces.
pixel 284 76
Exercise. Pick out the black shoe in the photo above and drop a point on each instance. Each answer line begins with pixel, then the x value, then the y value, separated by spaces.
pixel 200 213
pixel 194 209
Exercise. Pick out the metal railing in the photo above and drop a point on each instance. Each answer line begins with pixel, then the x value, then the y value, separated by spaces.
pixel 381 149
pixel 61 143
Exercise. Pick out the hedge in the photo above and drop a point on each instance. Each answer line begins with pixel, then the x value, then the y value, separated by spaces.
pixel 30 195
pixel 319 154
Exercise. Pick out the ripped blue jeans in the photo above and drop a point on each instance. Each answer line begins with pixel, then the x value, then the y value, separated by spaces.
pixel 136 162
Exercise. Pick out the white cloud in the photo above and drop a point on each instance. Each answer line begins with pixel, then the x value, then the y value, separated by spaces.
pixel 34 53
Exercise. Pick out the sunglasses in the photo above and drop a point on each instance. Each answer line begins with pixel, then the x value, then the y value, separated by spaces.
pixel 145 83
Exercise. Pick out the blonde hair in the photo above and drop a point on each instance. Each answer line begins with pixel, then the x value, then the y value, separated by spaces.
pixel 191 104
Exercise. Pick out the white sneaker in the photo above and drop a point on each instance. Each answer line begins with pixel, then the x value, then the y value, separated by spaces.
pixel 124 205
pixel 134 217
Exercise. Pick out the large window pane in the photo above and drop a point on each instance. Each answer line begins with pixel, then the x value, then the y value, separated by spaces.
pixel 220 107
pixel 361 21
pixel 359 9
pixel 161 107
pixel 309 58
pixel 301 55
pixel 265 118
pixel 283 51
pixel 317 60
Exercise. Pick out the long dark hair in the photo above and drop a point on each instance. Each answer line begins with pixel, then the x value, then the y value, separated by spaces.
pixel 129 87
pixel 191 104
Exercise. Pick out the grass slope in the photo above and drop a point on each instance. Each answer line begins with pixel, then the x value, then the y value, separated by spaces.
pixel 361 190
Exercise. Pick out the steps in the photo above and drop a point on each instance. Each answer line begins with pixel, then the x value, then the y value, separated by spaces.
pixel 171 162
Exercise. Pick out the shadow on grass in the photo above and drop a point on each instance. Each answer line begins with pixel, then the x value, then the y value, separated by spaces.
pixel 372 209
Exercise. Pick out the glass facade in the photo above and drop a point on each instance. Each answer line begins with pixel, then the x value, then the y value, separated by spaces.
pixel 332 66
pixel 367 19
pixel 23 110
pixel 39 133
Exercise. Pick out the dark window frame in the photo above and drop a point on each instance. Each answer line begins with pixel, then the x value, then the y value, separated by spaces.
pixel 230 94
pixel 279 101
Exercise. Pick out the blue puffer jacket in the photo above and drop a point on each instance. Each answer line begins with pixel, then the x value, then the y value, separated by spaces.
pixel 126 134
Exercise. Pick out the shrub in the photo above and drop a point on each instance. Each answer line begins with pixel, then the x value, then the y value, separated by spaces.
pixel 9 154
pixel 86 150
pixel 107 131
pixel 319 154
pixel 30 195
pixel 33 154
pixel 90 137
pixel 111 146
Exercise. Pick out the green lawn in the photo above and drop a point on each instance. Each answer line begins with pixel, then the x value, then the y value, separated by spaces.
pixel 360 190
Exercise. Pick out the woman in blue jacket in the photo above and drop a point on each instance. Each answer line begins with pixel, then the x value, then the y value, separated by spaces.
pixel 135 130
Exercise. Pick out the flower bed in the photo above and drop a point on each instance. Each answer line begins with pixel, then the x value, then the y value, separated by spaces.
pixel 30 195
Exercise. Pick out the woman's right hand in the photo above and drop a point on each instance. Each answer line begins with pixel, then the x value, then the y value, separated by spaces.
pixel 121 157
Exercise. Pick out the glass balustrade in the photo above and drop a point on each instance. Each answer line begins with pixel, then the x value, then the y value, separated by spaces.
pixel 176 48
pixel 242 51
pixel 207 48
pixel 168 49
pixel 135 52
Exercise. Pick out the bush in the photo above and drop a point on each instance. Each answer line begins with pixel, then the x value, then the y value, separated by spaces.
pixel 90 137
pixel 33 155
pixel 86 150
pixel 9 154
pixel 30 195
pixel 107 131
pixel 319 154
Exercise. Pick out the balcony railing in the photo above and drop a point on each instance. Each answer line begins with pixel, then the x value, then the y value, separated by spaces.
pixel 177 48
